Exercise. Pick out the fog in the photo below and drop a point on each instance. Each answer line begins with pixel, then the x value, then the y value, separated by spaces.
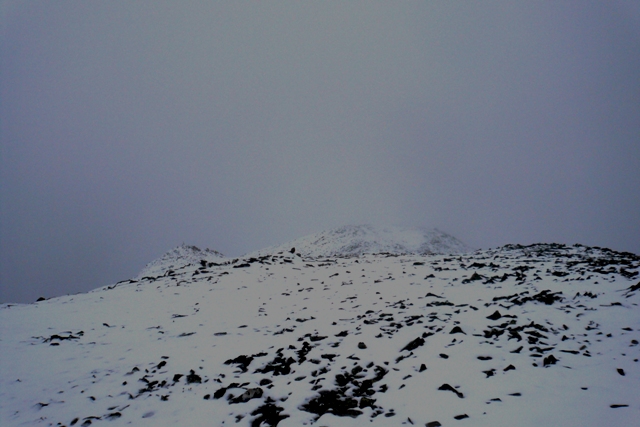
pixel 128 128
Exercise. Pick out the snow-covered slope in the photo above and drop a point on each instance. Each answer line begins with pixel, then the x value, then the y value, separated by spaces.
pixel 356 240
pixel 178 258
pixel 544 335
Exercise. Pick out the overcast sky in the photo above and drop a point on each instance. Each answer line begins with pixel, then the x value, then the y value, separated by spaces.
pixel 130 127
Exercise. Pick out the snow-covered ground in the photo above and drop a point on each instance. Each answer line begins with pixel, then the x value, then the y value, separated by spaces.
pixel 544 335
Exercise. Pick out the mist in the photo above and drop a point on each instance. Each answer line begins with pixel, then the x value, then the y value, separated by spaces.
pixel 128 128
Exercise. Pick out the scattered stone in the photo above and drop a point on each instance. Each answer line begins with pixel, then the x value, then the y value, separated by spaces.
pixel 414 344
pixel 447 387
pixel 268 414
pixel 252 393
pixel 495 316
pixel 242 361
pixel 193 378
pixel 334 402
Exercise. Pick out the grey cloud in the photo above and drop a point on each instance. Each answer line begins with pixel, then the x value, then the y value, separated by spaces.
pixel 129 128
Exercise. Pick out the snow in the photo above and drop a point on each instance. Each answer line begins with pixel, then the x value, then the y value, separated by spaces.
pixel 355 240
pixel 299 327
pixel 178 258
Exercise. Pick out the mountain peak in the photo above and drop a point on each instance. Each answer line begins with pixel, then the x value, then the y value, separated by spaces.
pixel 355 240
pixel 179 257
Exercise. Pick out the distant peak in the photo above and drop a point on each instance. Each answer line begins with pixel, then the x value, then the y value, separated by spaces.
pixel 179 257
pixel 355 240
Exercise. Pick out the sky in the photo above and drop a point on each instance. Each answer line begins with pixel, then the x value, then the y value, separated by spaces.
pixel 128 128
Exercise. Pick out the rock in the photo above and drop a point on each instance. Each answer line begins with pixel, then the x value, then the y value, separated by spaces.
pixel 447 387
pixel 193 378
pixel 269 414
pixel 242 361
pixel 414 344
pixel 495 316
pixel 252 393
pixel 334 402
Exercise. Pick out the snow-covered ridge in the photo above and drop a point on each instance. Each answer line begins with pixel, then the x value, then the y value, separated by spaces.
pixel 355 240
pixel 347 241
pixel 178 258
pixel 537 335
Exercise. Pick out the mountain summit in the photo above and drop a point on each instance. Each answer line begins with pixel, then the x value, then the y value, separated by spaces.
pixel 346 241
pixel 177 258
pixel 355 240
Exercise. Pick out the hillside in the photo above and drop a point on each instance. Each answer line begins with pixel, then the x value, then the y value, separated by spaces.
pixel 539 335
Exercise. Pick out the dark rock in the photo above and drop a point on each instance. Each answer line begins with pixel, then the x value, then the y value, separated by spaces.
pixel 509 368
pixel 473 278
pixel 193 378
pixel 457 330
pixel 362 345
pixel 444 356
pixel 433 424
pixel 489 373
pixel 279 366
pixel 414 344
pixel 366 402
pixel 113 416
pixel 495 316
pixel 334 402
pixel 549 360
pixel 219 393
pixel 242 361
pixel 461 416
pixel 618 406
pixel 252 393
pixel 620 371
pixel 177 377
pixel 447 387
pixel 268 414
pixel 423 368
